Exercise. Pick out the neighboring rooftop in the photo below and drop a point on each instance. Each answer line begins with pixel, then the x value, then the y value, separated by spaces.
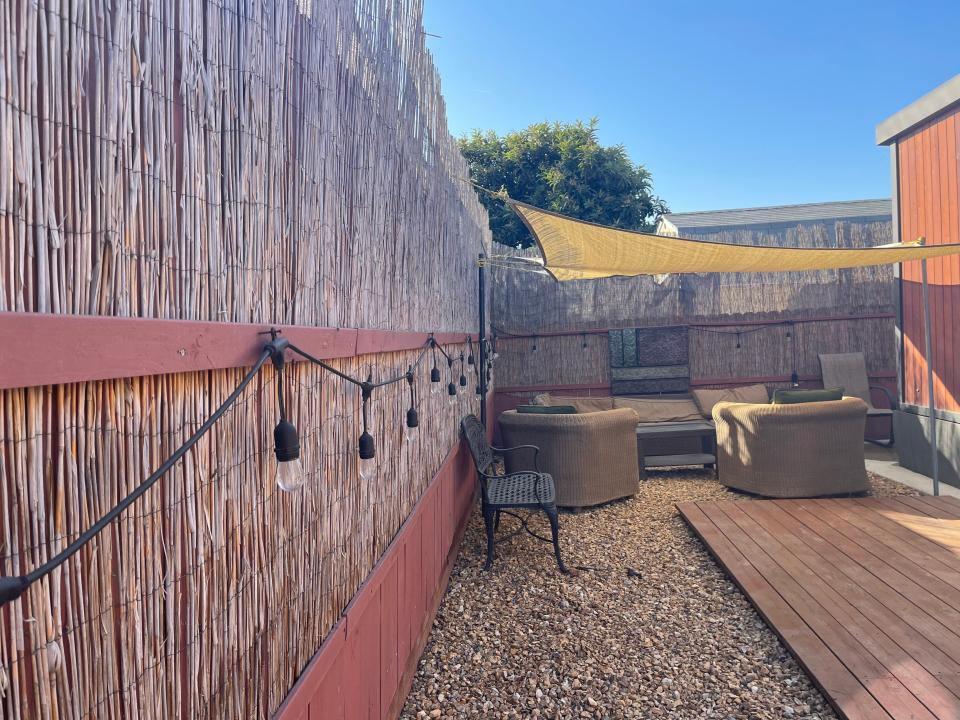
pixel 777 214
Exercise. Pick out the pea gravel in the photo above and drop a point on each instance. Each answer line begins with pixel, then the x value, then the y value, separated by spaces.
pixel 651 627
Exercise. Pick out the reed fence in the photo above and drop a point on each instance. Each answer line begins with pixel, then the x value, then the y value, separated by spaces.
pixel 256 161
pixel 549 315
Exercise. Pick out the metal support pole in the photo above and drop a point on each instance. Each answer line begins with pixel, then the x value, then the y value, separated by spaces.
pixel 481 285
pixel 931 409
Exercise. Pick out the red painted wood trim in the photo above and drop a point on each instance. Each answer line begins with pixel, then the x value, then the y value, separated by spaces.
pixel 774 378
pixel 42 349
pixel 548 388
pixel 334 686
pixel 693 383
pixel 822 318
pixel 694 326
pixel 377 341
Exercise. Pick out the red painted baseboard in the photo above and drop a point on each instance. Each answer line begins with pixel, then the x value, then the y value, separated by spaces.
pixel 365 667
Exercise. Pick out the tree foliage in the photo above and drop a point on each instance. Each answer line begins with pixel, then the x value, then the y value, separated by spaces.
pixel 563 168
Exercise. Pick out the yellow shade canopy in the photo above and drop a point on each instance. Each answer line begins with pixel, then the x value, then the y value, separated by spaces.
pixel 577 250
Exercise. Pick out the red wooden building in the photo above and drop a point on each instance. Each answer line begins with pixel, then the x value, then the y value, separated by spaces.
pixel 924 139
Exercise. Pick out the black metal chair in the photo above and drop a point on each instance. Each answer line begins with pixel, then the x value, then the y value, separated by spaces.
pixel 529 489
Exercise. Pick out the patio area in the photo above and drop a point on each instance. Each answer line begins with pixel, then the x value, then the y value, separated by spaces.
pixel 651 626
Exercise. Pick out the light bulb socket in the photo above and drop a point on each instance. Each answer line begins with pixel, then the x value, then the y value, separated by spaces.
pixel 794 379
pixel 413 419
pixel 286 441
pixel 366 446
pixel 451 389
pixel 470 360
pixel 435 375
pixel 463 380
pixel 12 587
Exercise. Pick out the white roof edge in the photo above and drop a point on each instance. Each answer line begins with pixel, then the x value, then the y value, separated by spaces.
pixel 934 102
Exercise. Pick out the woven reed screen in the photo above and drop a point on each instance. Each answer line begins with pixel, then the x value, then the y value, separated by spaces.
pixel 229 161
pixel 527 304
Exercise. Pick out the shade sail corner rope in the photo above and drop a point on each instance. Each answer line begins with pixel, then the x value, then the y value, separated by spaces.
pixel 578 250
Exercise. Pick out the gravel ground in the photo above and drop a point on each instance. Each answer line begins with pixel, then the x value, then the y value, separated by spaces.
pixel 676 640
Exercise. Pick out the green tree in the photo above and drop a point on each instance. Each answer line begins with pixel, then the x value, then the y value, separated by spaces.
pixel 563 168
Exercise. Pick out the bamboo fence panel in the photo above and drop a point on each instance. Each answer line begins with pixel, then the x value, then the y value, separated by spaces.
pixel 250 161
pixel 525 303
pixel 256 161
pixel 553 360
pixel 210 595
pixel 767 352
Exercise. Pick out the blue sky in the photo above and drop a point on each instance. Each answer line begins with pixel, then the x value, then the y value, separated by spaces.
pixel 727 103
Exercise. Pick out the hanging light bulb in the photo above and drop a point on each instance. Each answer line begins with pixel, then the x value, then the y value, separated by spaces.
pixel 470 358
pixel 366 446
pixel 368 453
pixel 463 378
pixel 738 341
pixel 289 474
pixel 413 420
pixel 435 371
pixel 451 388
pixel 794 379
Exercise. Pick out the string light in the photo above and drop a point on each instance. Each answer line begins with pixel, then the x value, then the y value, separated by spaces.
pixel 13 587
pixel 366 446
pixel 413 420
pixel 435 371
pixel 289 474
pixel 451 388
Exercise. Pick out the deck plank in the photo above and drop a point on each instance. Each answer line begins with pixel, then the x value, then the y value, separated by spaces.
pixel 864 592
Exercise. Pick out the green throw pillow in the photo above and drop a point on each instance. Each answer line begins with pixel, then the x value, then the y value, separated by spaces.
pixel 547 409
pixel 791 397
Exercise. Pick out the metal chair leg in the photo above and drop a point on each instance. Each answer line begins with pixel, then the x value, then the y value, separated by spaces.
pixel 551 511
pixel 496 522
pixel 488 514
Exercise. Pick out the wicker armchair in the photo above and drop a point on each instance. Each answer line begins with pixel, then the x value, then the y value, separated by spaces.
pixel 591 456
pixel 786 451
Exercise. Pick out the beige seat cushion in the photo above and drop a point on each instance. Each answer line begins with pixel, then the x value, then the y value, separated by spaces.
pixel 660 409
pixel 582 404
pixel 706 398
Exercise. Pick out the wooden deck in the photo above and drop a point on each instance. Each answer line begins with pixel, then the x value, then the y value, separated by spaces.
pixel 864 592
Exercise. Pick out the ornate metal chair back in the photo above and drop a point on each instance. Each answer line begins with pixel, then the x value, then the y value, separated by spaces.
pixel 476 437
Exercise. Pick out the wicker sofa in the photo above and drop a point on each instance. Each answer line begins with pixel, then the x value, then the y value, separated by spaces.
pixel 787 451
pixel 591 456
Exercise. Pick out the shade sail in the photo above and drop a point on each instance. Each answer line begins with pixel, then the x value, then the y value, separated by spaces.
pixel 577 250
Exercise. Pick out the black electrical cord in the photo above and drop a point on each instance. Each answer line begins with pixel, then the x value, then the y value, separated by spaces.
pixel 430 343
pixel 12 587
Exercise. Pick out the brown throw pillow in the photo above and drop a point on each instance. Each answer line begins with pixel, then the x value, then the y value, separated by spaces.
pixel 660 409
pixel 583 404
pixel 706 398
pixel 546 409
pixel 791 397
